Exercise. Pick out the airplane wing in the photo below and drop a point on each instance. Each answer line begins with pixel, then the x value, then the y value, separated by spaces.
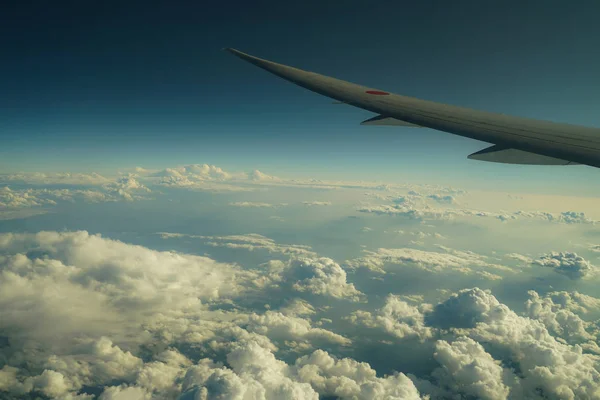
pixel 518 140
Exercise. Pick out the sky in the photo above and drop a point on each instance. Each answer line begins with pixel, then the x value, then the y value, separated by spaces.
pixel 91 85
pixel 176 224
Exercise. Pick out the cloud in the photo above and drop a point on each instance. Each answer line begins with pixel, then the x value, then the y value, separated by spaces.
pixel 318 276
pixel 30 198
pixel 396 317
pixel 199 172
pixel 412 207
pixel 211 177
pixel 21 203
pixel 106 283
pixel 25 198
pixel 577 302
pixel 567 217
pixel 574 217
pixel 198 177
pixel 465 367
pixel 444 199
pixel 256 373
pixel 547 366
pixel 125 393
pixel 348 379
pixel 568 264
pixel 302 271
pixel 80 313
pixel 123 296
pixel 253 204
pixel 127 187
pixel 148 324
pixel 419 234
pixel 384 260
pixel 423 212
pixel 257 176
pixel 465 309
pixel 560 321
pixel 485 350
pixel 64 178
pixel 250 242
pixel 525 260
pixel 280 328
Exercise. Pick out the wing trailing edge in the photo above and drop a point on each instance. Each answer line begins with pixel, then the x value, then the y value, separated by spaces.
pixel 507 155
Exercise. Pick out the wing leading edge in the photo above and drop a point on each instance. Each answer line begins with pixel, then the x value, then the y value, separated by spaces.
pixel 517 138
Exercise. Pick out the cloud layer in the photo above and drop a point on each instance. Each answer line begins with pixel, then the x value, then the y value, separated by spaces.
pixel 147 324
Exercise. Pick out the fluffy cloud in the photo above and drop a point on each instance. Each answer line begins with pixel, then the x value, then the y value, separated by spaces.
pixel 280 328
pixel 258 176
pixel 568 264
pixel 256 373
pixel 349 379
pixel 577 302
pixel 127 187
pixel 122 297
pixel 496 353
pixel 301 272
pixel 148 324
pixel 106 283
pixel 547 366
pixel 197 177
pixel 397 318
pixel 467 368
pixel 566 217
pixel 321 276
pixel 465 309
pixel 559 321
pixel 10 198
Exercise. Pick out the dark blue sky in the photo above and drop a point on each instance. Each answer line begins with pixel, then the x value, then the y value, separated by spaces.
pixel 102 84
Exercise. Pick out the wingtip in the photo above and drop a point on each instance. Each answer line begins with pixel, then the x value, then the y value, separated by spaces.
pixel 232 50
pixel 247 57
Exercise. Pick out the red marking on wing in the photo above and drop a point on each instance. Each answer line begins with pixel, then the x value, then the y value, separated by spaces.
pixel 377 92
